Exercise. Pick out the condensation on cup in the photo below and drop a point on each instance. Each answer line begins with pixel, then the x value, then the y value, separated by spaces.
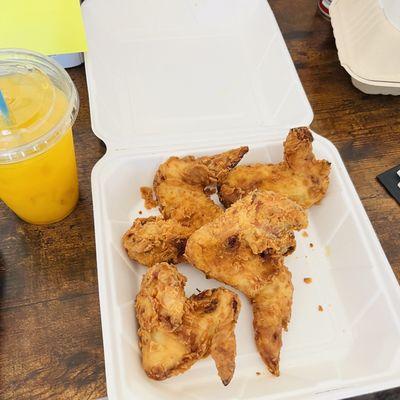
pixel 323 6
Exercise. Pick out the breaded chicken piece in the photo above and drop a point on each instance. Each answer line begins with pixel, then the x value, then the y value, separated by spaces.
pixel 175 331
pixel 152 240
pixel 180 186
pixel 301 177
pixel 244 248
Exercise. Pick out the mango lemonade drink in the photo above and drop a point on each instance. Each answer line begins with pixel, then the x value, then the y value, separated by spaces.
pixel 38 176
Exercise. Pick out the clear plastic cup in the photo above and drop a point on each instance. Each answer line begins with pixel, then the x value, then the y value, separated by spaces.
pixel 38 176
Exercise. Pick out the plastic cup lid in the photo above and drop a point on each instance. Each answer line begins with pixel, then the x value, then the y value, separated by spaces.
pixel 42 102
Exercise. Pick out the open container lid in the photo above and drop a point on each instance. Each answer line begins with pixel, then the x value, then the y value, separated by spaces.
pixel 367 34
pixel 165 74
pixel 391 8
pixel 174 73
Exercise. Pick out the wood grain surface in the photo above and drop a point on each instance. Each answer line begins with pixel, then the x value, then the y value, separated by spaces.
pixel 50 333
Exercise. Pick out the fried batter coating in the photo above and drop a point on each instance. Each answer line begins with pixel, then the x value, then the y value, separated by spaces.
pixel 147 196
pixel 152 240
pixel 181 186
pixel 272 310
pixel 244 248
pixel 175 331
pixel 301 177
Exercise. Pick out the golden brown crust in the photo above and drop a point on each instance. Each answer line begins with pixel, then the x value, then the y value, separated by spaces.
pixel 300 176
pixel 152 240
pixel 262 223
pixel 147 196
pixel 180 183
pixel 244 248
pixel 271 309
pixel 183 187
pixel 175 331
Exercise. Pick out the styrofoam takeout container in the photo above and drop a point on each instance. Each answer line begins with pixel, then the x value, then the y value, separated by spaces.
pixel 367 34
pixel 197 77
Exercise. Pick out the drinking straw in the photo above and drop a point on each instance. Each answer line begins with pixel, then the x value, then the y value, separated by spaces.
pixel 4 111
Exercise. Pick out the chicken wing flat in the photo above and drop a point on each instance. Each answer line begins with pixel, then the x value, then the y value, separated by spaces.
pixel 180 186
pixel 244 248
pixel 175 331
pixel 301 177
pixel 152 240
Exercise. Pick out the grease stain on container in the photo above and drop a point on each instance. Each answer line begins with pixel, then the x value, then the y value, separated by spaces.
pixel 328 251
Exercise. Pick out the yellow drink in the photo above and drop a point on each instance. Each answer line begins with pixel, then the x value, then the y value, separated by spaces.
pixel 38 177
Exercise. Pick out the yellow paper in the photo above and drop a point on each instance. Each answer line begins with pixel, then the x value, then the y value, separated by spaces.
pixel 47 26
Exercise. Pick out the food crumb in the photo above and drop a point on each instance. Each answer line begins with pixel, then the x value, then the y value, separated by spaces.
pixel 140 212
pixel 304 234
pixel 258 373
pixel 307 280
pixel 147 196
pixel 311 245
pixel 320 308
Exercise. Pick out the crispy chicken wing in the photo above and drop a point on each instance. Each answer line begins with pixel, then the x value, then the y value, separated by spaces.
pixel 300 176
pixel 244 248
pixel 175 331
pixel 180 186
pixel 152 240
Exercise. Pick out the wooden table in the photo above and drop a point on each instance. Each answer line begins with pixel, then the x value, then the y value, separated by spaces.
pixel 50 334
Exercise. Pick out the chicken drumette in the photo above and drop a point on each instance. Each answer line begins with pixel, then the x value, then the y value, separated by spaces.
pixel 152 240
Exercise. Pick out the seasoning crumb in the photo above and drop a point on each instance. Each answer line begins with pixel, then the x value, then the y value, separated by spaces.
pixel 140 212
pixel 304 234
pixel 147 196
pixel 307 280
pixel 258 373
pixel 320 308
pixel 311 245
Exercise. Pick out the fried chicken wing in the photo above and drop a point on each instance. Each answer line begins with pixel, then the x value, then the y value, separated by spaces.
pixel 244 248
pixel 152 240
pixel 300 176
pixel 175 331
pixel 180 186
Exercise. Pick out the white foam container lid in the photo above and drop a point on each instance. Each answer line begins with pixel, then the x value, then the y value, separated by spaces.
pixel 196 77
pixel 367 34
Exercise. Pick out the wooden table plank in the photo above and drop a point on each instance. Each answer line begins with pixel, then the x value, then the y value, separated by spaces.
pixel 50 335
pixel 53 350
